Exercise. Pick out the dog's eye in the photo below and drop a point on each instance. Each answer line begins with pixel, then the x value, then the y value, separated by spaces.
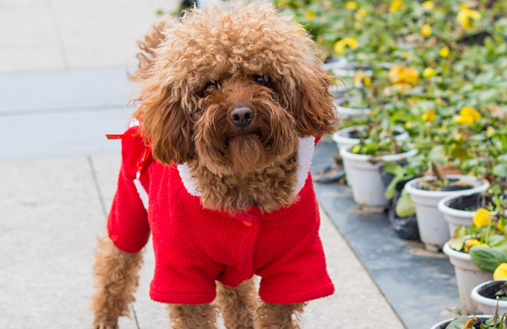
pixel 208 87
pixel 260 79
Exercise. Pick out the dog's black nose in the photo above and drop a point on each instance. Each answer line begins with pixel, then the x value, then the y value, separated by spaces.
pixel 242 116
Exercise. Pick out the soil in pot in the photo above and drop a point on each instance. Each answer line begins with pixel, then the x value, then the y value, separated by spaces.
pixel 470 202
pixel 455 184
pixel 494 289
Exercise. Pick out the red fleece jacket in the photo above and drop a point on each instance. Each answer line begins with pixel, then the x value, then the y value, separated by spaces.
pixel 196 246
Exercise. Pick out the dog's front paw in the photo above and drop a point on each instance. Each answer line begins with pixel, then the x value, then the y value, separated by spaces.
pixel 105 324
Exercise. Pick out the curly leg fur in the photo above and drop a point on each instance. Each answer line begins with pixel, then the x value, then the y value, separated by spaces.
pixel 202 316
pixel 238 305
pixel 274 316
pixel 116 280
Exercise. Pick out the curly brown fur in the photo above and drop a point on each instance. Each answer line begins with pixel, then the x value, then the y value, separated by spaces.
pixel 201 316
pixel 238 305
pixel 277 316
pixel 116 280
pixel 229 46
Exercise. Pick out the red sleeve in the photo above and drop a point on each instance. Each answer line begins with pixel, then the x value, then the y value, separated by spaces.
pixel 127 222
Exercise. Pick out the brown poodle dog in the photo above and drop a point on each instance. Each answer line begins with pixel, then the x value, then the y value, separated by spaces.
pixel 228 92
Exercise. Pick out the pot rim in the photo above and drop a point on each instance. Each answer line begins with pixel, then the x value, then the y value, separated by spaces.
pixel 442 207
pixel 436 326
pixel 346 154
pixel 337 138
pixel 441 194
pixel 456 254
pixel 484 300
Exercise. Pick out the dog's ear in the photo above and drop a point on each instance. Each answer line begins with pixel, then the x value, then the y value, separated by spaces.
pixel 311 103
pixel 167 127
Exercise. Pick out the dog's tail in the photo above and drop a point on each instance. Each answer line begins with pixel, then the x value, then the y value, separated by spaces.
pixel 148 46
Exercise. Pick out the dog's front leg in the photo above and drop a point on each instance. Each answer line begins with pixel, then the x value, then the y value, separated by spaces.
pixel 201 316
pixel 238 305
pixel 116 280
pixel 279 316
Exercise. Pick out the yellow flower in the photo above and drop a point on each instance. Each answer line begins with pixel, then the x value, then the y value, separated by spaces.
pixel 374 112
pixel 490 131
pixel 429 115
pixel 444 52
pixel 438 101
pixel 395 6
pixel 481 217
pixel 458 137
pixel 408 124
pixel 500 272
pixel 429 72
pixel 361 78
pixel 500 226
pixel 403 75
pixel 426 30
pixel 341 46
pixel 361 12
pixel 351 5
pixel 320 39
pixel 466 17
pixel 468 115
pixel 310 15
pixel 469 244
pixel 283 3
pixel 444 129
pixel 428 5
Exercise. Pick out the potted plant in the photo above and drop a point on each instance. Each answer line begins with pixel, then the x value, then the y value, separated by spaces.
pixel 362 164
pixel 426 192
pixel 346 137
pixel 477 252
pixel 460 210
pixel 490 295
pixel 473 322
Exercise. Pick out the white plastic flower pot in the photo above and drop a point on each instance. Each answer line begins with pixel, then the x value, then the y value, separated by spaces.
pixel 342 139
pixel 488 305
pixel 468 275
pixel 347 112
pixel 445 323
pixel 363 172
pixel 456 217
pixel 433 228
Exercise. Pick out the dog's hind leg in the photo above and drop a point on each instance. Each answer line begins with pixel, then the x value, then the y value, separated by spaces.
pixel 201 316
pixel 116 280
pixel 238 305
pixel 279 316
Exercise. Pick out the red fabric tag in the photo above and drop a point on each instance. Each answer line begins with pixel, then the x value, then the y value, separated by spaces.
pixel 144 161
pixel 122 136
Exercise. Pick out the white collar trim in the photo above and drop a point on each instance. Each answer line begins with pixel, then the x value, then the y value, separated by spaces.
pixel 304 158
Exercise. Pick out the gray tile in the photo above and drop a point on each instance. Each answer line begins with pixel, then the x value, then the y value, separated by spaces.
pixel 28 40
pixel 64 90
pixel 50 216
pixel 62 134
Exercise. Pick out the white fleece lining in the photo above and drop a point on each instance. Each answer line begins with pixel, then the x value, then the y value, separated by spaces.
pixel 142 193
pixel 305 156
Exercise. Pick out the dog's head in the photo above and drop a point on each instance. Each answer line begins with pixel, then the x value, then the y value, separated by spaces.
pixel 234 88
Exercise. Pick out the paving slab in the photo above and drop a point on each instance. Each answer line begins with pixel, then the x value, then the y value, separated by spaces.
pixel 61 34
pixel 50 216
pixel 28 40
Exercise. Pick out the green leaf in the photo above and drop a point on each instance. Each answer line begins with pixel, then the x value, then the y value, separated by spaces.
pixel 457 323
pixel 500 170
pixel 405 206
pixel 458 239
pixel 486 258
